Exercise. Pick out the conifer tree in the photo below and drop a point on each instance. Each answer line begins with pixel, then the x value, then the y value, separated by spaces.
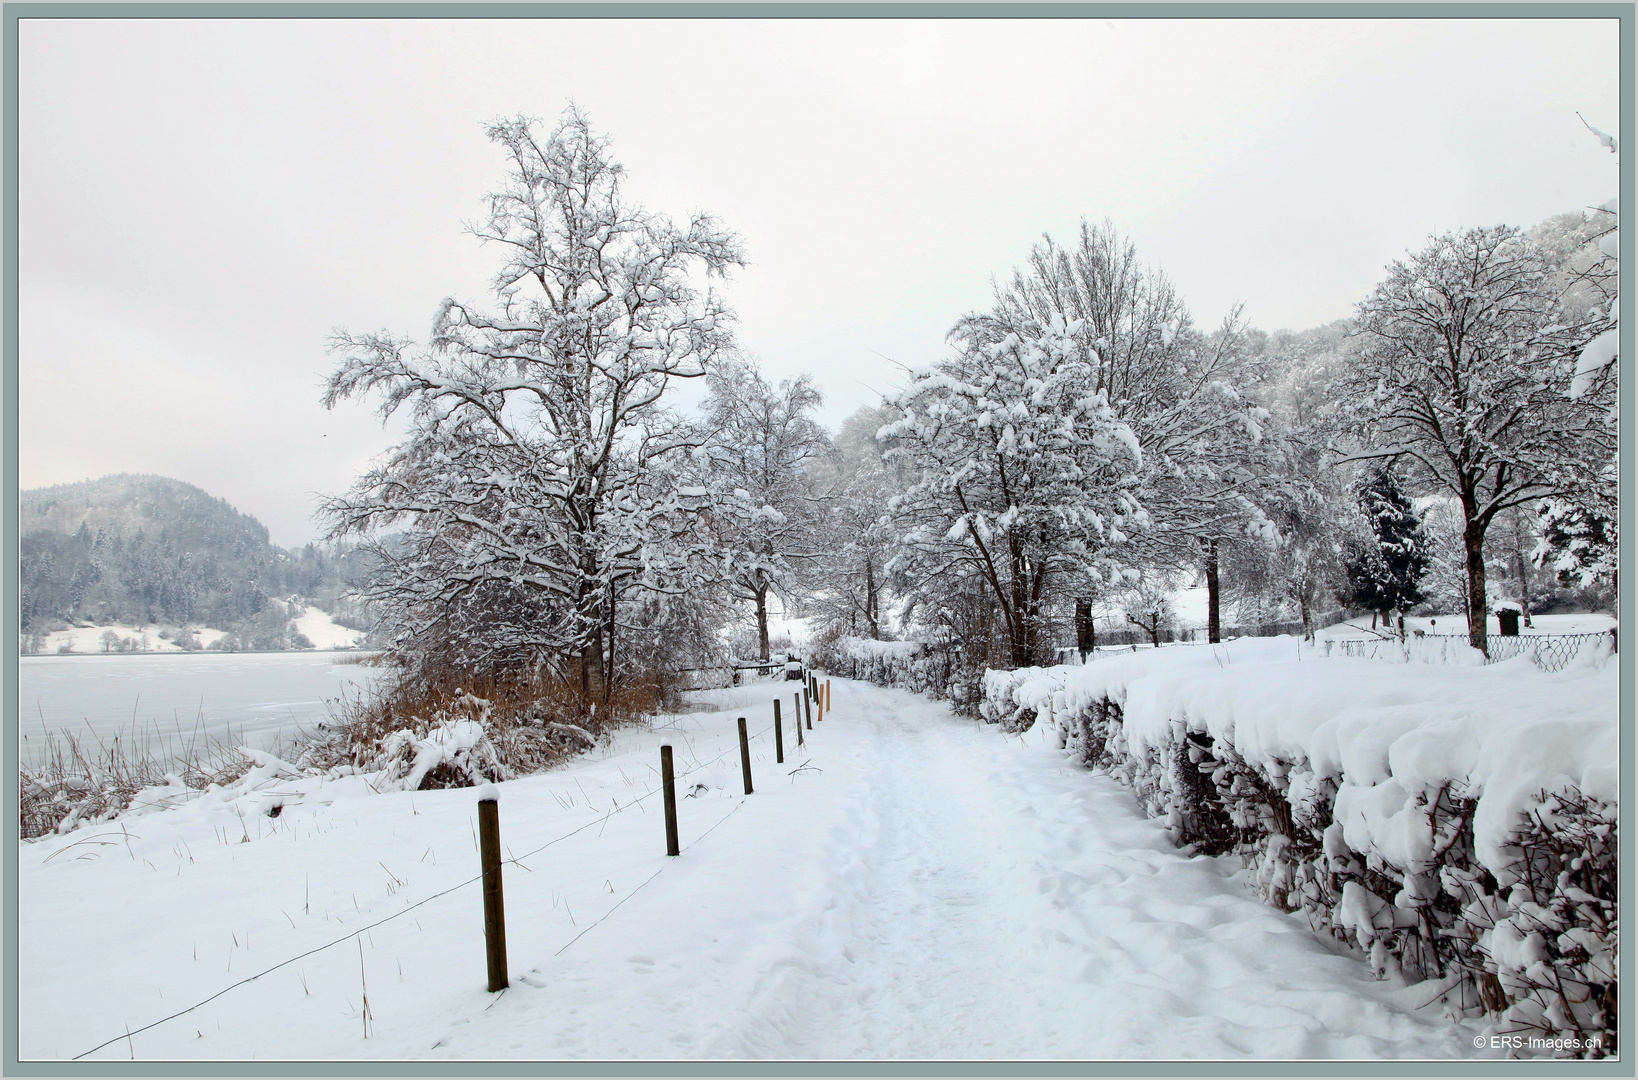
pixel 1386 569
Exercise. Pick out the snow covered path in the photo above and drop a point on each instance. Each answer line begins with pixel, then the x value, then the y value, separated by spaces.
pixel 938 891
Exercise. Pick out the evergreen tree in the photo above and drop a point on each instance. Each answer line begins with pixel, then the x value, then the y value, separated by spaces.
pixel 1386 569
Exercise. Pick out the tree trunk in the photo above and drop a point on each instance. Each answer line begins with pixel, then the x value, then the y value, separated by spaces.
pixel 1019 646
pixel 588 660
pixel 608 679
pixel 762 621
pixel 1017 626
pixel 1033 621
pixel 1524 582
pixel 872 612
pixel 1084 641
pixel 1473 543
pixel 592 685
pixel 1214 624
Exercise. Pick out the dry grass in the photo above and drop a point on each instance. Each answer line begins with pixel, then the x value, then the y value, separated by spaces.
pixel 530 723
pixel 65 780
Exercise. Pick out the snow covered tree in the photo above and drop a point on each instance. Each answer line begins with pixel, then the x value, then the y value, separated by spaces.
pixel 1147 605
pixel 1024 472
pixel 1211 466
pixel 1601 280
pixel 1385 569
pixel 1290 558
pixel 537 481
pixel 1181 392
pixel 1465 374
pixel 856 483
pixel 761 438
pixel 1112 332
pixel 1580 531
pixel 1577 543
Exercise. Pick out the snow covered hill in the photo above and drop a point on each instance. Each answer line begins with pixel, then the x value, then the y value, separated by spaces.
pixel 314 624
pixel 907 885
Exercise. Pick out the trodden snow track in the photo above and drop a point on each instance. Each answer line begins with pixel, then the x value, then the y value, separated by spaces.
pixel 937 891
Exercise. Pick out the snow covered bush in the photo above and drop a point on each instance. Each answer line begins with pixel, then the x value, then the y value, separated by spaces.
pixel 1455 825
pixel 417 740
pixel 448 750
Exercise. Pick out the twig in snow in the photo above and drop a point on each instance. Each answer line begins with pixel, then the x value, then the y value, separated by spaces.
pixel 364 991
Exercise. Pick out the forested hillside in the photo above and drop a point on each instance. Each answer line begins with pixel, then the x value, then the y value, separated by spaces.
pixel 147 549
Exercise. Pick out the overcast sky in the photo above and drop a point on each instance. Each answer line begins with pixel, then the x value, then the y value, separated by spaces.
pixel 203 201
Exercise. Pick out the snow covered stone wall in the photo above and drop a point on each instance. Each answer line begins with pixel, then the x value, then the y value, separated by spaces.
pixel 1455 824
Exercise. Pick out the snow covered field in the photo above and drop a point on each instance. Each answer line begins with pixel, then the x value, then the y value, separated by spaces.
pixel 924 888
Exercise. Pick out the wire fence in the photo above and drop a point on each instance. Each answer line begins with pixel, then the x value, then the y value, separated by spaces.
pixel 511 859
pixel 1128 635
pixel 1549 652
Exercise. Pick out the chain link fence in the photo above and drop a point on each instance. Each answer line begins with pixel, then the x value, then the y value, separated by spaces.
pixel 1549 652
pixel 1129 639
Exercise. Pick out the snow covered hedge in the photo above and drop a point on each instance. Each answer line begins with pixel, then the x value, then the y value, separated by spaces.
pixel 927 668
pixel 1455 824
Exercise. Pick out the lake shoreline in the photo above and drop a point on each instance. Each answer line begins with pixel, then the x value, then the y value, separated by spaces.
pixel 253 698
pixel 197 653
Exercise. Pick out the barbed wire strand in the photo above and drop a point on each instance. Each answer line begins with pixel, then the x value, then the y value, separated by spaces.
pixel 651 877
pixel 435 896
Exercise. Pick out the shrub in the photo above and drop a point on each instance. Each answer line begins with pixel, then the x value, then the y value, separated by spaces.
pixel 929 668
pixel 430 732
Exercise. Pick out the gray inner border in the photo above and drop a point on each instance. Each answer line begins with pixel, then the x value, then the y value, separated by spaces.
pixel 9 582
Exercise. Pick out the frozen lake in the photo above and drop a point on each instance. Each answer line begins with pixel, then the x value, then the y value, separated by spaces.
pixel 164 700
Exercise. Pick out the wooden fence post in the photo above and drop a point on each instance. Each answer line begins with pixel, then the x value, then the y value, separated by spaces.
pixel 670 785
pixel 797 701
pixel 745 755
pixel 494 915
pixel 779 737
pixel 807 707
